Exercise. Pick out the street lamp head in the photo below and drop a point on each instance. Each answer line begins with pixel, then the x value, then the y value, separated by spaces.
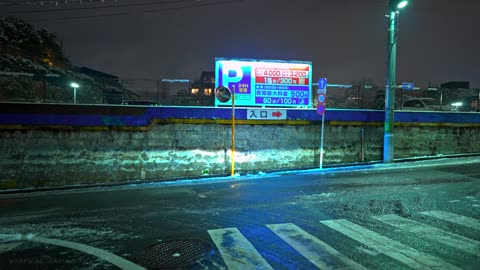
pixel 397 4
pixel 402 4
pixel 74 85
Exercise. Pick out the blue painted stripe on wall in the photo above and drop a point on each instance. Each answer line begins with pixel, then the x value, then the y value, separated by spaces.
pixel 165 113
pixel 437 117
pixel 73 120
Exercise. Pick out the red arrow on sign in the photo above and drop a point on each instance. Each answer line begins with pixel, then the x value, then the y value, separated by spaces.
pixel 276 114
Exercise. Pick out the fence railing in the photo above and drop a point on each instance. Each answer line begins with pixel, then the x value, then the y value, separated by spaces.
pixel 56 88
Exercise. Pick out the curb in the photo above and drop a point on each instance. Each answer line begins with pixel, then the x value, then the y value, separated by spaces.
pixel 178 181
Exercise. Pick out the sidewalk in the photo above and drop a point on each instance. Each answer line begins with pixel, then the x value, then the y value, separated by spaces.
pixel 399 164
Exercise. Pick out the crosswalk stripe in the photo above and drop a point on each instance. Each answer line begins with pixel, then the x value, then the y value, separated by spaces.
pixel 412 258
pixel 236 251
pixel 454 218
pixel 316 251
pixel 431 233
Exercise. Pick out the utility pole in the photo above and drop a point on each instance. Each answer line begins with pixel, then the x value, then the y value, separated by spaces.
pixel 390 86
pixel 388 139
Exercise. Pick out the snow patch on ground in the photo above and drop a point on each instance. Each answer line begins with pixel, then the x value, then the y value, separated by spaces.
pixel 71 231
pixel 30 215
pixel 261 175
pixel 96 235
pixel 313 198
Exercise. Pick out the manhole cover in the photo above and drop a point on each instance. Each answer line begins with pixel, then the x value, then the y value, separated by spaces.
pixel 175 253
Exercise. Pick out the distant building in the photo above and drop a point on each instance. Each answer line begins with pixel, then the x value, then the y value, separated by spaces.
pixel 458 91
pixel 201 92
pixel 113 92
pixel 172 89
pixel 455 85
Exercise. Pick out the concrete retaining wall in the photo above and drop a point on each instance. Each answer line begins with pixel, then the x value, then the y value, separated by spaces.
pixel 83 146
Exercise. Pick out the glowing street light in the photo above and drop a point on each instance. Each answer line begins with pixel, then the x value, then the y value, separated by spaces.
pixel 75 86
pixel 388 142
pixel 395 5
pixel 402 4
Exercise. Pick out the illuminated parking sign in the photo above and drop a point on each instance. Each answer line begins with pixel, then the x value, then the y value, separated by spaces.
pixel 265 82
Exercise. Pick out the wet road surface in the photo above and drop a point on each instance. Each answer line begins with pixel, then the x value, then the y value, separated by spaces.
pixel 418 217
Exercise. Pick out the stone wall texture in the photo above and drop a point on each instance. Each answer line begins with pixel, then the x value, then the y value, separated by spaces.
pixel 45 158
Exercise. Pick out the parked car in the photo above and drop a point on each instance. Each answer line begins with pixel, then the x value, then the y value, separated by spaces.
pixel 425 104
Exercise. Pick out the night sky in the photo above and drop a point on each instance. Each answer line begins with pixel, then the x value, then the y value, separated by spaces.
pixel 439 40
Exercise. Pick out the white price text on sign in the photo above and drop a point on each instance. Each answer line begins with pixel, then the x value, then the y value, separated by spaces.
pixel 266 114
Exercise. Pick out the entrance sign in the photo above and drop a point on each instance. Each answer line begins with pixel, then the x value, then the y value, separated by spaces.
pixel 266 82
pixel 266 114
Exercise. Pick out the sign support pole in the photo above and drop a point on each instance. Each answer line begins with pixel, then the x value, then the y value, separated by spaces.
pixel 321 141
pixel 321 98
pixel 233 131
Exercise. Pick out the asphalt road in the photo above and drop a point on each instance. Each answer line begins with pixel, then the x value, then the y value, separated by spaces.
pixel 417 215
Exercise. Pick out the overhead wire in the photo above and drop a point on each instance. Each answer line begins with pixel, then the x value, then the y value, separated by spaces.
pixel 48 2
pixel 133 12
pixel 104 7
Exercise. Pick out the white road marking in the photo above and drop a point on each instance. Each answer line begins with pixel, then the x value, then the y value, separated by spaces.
pixel 100 253
pixel 316 251
pixel 391 248
pixel 5 247
pixel 454 218
pixel 431 233
pixel 236 251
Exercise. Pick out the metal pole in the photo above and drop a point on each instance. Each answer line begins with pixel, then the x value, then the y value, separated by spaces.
pixel 401 99
pixel 441 99
pixel 358 97
pixel 362 144
pixel 388 139
pixel 158 86
pixel 233 131
pixel 74 95
pixel 44 88
pixel 321 141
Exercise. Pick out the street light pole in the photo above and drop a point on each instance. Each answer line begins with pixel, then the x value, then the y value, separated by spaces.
pixel 390 86
pixel 74 95
pixel 75 86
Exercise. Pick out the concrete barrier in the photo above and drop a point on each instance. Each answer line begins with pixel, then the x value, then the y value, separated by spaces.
pixel 58 145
